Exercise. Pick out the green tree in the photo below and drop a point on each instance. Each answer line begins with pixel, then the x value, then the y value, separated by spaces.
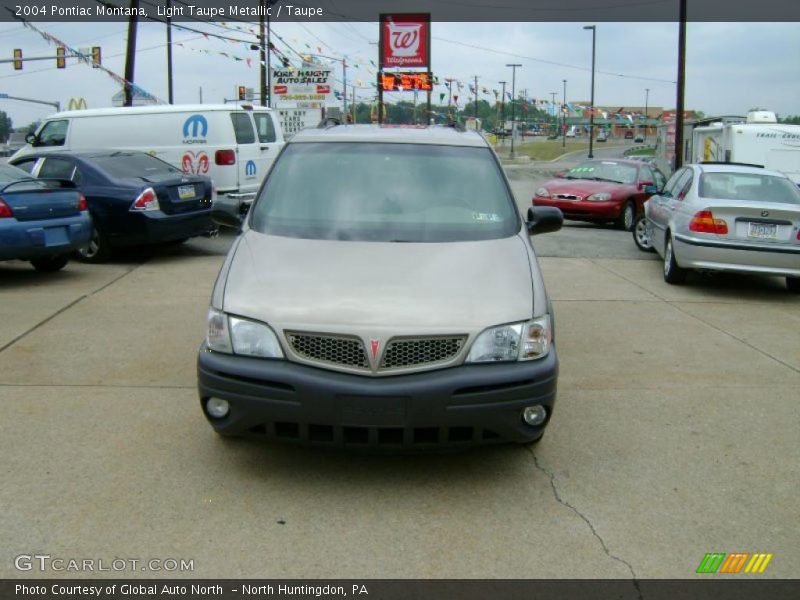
pixel 5 126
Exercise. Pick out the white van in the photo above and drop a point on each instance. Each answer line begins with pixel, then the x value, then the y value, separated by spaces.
pixel 233 144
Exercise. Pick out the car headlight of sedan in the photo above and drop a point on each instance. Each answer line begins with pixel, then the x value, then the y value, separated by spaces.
pixel 528 340
pixel 542 193
pixel 234 335
pixel 599 197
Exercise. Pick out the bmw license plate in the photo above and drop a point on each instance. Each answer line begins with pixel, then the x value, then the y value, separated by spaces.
pixel 762 231
pixel 186 192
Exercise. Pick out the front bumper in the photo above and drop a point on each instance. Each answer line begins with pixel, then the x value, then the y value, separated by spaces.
pixel 582 210
pixel 458 406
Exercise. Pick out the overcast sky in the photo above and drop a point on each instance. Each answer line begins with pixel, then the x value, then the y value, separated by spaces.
pixel 731 67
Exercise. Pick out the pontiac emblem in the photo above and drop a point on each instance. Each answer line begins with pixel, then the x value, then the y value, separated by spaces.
pixel 764 213
pixel 374 345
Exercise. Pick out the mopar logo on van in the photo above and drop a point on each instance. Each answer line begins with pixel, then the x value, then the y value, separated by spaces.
pixel 195 129
pixel 250 169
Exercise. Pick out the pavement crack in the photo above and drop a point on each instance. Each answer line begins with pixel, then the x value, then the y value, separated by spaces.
pixel 66 308
pixel 551 476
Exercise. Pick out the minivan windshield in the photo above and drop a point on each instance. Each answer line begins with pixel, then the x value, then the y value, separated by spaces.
pixel 385 192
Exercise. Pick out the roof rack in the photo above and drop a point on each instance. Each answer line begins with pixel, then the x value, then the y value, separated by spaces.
pixel 733 164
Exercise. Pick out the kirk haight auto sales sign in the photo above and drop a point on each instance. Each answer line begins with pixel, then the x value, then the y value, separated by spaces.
pixel 302 84
pixel 405 40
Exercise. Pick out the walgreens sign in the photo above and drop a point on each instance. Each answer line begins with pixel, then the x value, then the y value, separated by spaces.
pixel 405 40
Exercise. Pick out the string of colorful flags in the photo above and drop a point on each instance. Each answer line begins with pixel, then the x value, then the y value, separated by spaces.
pixel 87 59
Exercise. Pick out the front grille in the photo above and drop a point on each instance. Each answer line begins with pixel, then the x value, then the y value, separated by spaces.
pixel 331 349
pixel 421 351
pixel 566 197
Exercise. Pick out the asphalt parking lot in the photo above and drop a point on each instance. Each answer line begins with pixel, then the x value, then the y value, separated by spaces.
pixel 676 433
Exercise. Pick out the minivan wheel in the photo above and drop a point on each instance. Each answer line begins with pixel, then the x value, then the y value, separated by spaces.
pixel 96 251
pixel 640 235
pixel 793 284
pixel 627 216
pixel 50 264
pixel 672 272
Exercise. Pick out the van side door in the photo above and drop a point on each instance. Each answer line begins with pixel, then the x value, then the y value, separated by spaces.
pixel 247 153
pixel 270 140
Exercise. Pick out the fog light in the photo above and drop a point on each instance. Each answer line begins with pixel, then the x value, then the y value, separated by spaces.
pixel 218 408
pixel 534 415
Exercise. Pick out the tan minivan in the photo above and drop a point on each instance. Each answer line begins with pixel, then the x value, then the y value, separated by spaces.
pixel 383 293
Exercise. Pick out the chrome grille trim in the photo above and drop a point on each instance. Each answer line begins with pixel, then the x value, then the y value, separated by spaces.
pixel 420 351
pixel 342 350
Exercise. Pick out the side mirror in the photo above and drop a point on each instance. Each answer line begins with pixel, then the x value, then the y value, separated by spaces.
pixel 544 219
pixel 644 183
pixel 560 174
pixel 227 215
pixel 31 139
pixel 650 189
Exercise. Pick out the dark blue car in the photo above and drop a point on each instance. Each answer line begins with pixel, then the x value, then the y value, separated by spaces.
pixel 41 221
pixel 134 198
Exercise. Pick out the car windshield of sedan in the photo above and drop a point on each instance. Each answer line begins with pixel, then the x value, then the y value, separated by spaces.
pixel 385 192
pixel 604 171
pixel 752 187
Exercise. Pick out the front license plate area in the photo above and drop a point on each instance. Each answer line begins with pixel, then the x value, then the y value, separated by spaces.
pixel 372 411
pixel 186 192
pixel 762 231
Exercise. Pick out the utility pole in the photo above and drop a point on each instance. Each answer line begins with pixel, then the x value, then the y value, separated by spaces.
pixel 262 56
pixel 130 56
pixel 564 117
pixel 476 96
pixel 513 84
pixel 681 86
pixel 591 114
pixel 344 80
pixel 553 104
pixel 646 98
pixel 503 111
pixel 170 97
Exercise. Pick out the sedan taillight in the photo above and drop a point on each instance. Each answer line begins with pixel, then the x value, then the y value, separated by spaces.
pixel 5 210
pixel 147 200
pixel 704 222
pixel 82 205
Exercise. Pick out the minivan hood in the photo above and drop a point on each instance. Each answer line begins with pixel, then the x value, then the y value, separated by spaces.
pixel 379 288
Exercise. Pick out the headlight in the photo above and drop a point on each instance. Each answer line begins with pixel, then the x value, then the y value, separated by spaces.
pixel 599 197
pixel 251 338
pixel 233 335
pixel 218 339
pixel 542 193
pixel 528 340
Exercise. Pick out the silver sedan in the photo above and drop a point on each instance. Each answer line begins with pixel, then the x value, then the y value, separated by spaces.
pixel 726 217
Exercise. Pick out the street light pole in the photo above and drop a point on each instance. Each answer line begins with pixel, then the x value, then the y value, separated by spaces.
pixel 553 104
pixel 646 98
pixel 564 116
pixel 591 114
pixel 513 84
